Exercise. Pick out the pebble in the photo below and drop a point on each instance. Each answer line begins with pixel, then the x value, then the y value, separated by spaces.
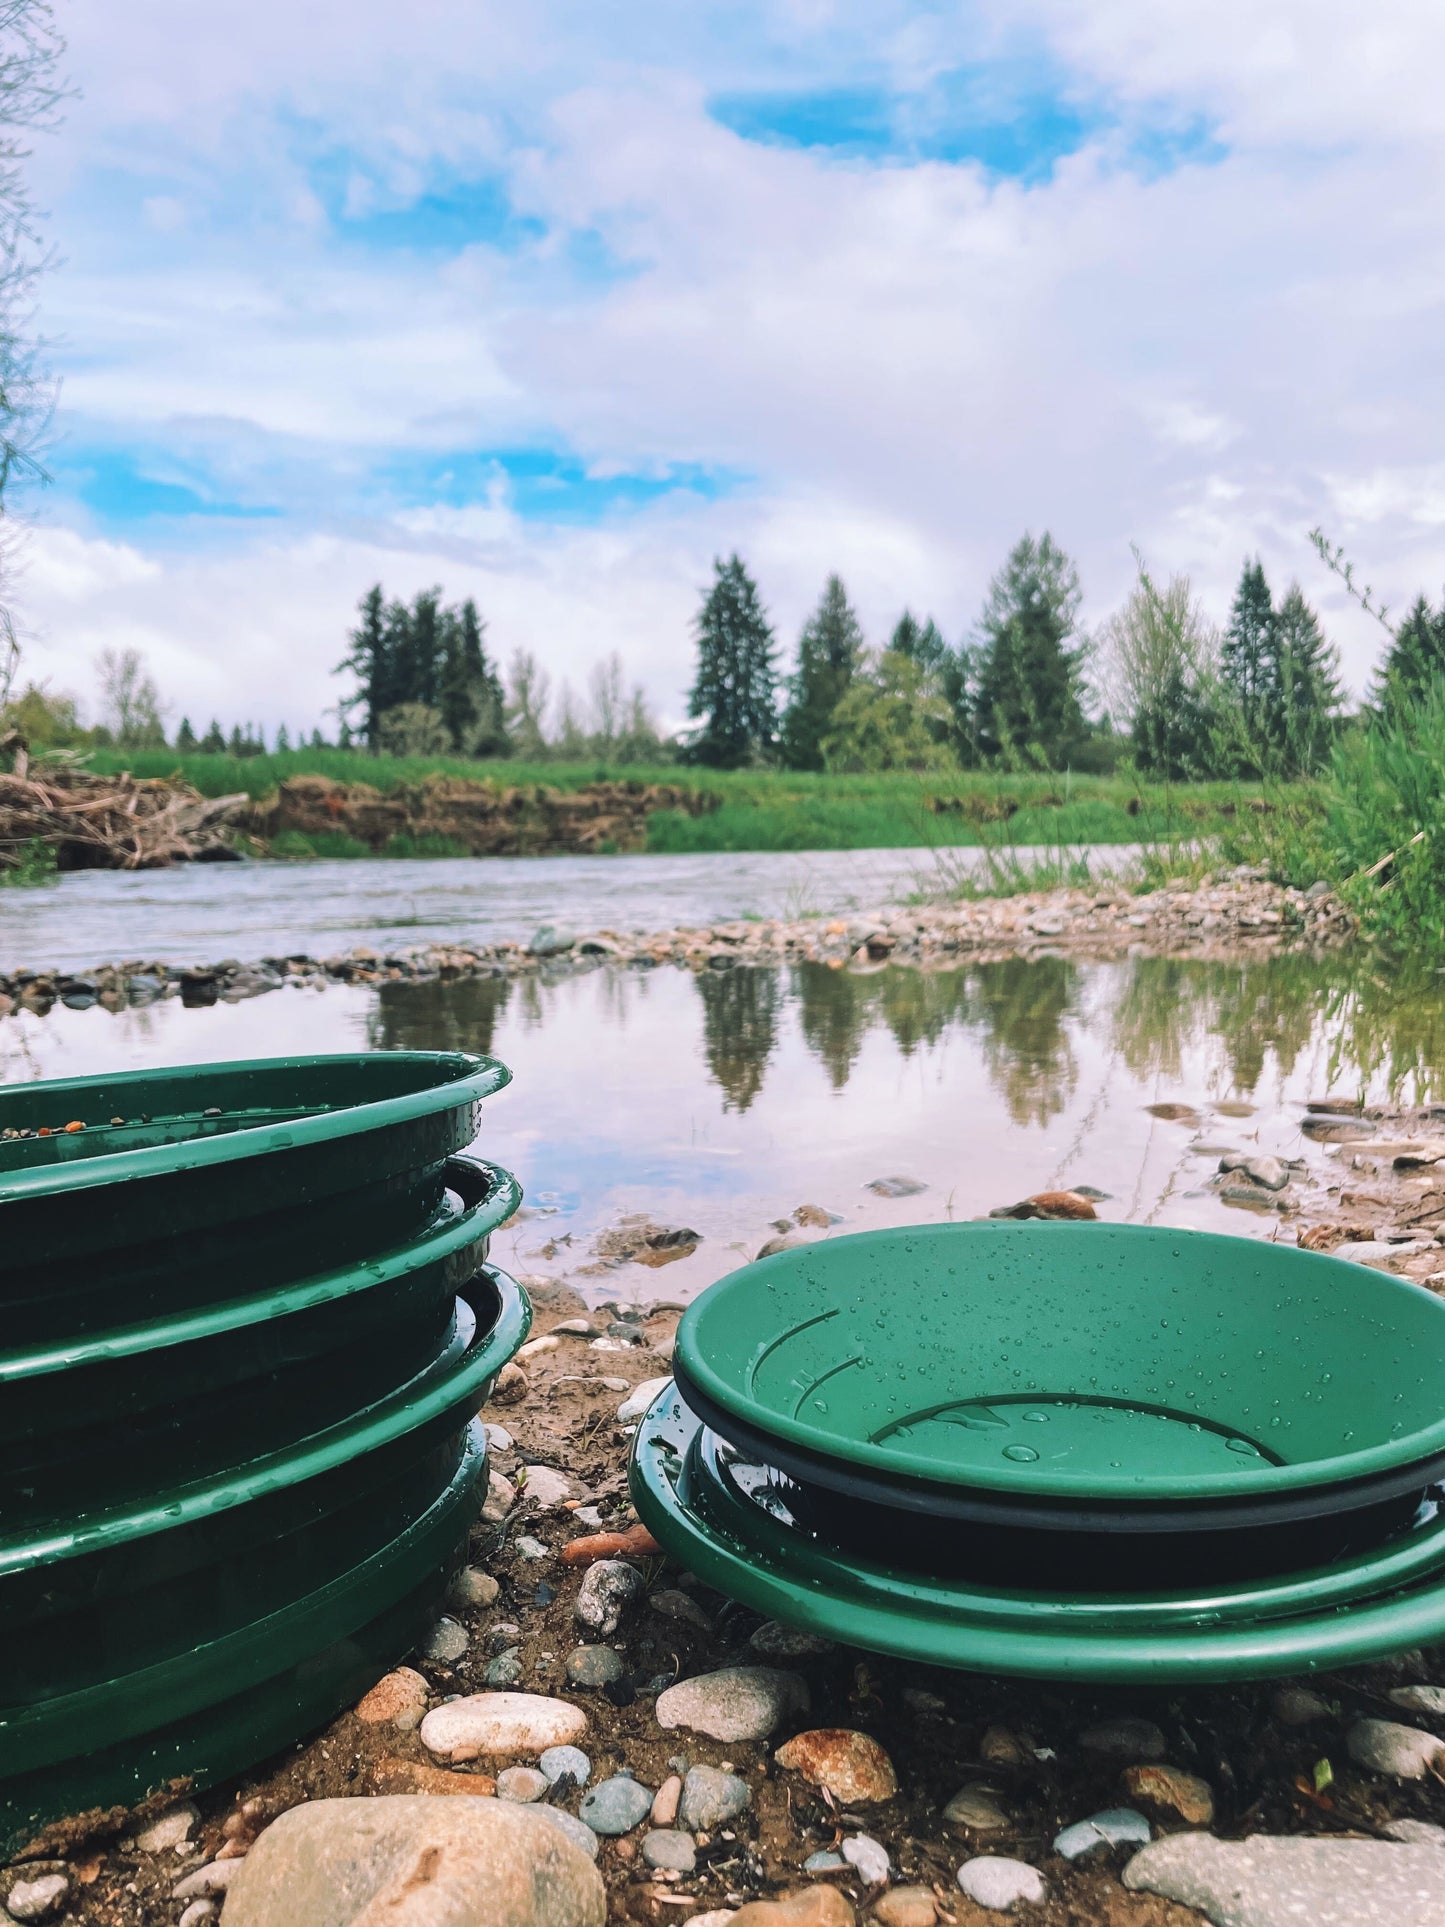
pixel 174 1827
pixel 1126 1739
pixel 1000 1747
pixel 501 1497
pixel 1170 1791
pixel 566 1763
pixel 577 1831
pixel 640 1397
pixel 1300 1706
pixel 669 1851
pixel 666 1800
pixel 718 1917
pixel 825 1862
pixel 868 1856
pixel 710 1798
pixel 774 1640
pixel 1266 1881
pixel 36 1899
pixel 609 1589
pixel 852 1767
pixel 446 1643
pixel 500 1723
pixel 510 1389
pixel 895 1187
pixel 820 1906
pixel 674 1604
pixel 1114 1827
pixel 576 1328
pixel 431 1863
pixel 214 1878
pixel 617 1805
pixel 531 1548
pixel 547 1488
pixel 996 1883
pixel 594 1666
pixel 975 1809
pixel 505 1669
pixel 521 1784
pixel 499 1438
pixel 1403 1752
pixel 735 1703
pixel 906 1907
pixel 197 1913
pixel 1429 1700
pixel 535 1347
pixel 1268 1172
pixel 473 1588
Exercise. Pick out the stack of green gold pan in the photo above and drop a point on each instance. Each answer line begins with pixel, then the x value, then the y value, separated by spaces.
pixel 246 1325
pixel 1070 1451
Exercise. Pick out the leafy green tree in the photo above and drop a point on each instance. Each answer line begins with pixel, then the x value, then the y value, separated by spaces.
pixel 1158 662
pixel 830 650
pixel 529 690
pixel 734 694
pixel 185 736
pixel 1305 713
pixel 1415 661
pixel 213 742
pixel 892 716
pixel 130 701
pixel 413 729
pixel 1026 699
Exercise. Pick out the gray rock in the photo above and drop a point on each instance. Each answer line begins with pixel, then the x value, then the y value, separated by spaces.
pixel 505 1669
pixel 531 1548
pixel 868 1856
pixel 577 1831
pixel 774 1640
pixel 616 1805
pixel 975 1809
pixel 551 941
pixel 1114 1827
pixel 37 1899
pixel 170 1829
pixel 895 1187
pixel 675 1604
pixel 566 1763
pixel 546 1488
pixel 594 1666
pixel 824 1862
pixel 1429 1700
pixel 1300 1706
pixel 521 1784
pixel 639 1398
pixel 1269 1882
pixel 1403 1752
pixel 198 1913
pixel 735 1703
pixel 214 1878
pixel 1127 1739
pixel 710 1798
pixel 994 1882
pixel 446 1643
pixel 423 1862
pixel 669 1851
pixel 1422 1833
pixel 1268 1172
pixel 473 1588
pixel 608 1592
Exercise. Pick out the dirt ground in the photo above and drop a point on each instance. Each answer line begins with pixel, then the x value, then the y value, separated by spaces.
pixel 941 1729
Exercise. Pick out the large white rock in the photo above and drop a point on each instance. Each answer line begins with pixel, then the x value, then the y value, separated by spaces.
pixel 736 1703
pixel 501 1723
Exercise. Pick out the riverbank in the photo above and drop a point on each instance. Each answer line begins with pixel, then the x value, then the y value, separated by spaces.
pixel 1236 913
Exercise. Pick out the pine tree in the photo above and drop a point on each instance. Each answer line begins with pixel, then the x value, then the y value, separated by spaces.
pixel 921 642
pixel 1249 654
pixel 185 735
pixel 283 738
pixel 1415 661
pixel 830 651
pixel 734 694
pixel 1027 696
pixel 370 660
pixel 1309 696
pixel 317 742
pixel 237 745
pixel 213 742
pixel 469 692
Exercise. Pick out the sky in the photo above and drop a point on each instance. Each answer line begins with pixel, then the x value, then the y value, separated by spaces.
pixel 551 304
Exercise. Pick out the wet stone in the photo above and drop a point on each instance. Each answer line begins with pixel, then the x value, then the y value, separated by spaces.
pixel 616 1806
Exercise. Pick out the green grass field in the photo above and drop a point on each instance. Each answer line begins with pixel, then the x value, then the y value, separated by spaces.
pixel 778 810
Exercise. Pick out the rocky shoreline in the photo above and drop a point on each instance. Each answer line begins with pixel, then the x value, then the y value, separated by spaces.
pixel 679 1760
pixel 1238 913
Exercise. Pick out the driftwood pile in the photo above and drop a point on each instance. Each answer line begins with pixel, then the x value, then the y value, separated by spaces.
pixel 108 822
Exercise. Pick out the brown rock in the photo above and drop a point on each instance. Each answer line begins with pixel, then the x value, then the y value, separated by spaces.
pixel 1168 1792
pixel 1062 1204
pixel 812 1214
pixel 906 1907
pixel 400 1699
pixel 852 1767
pixel 1000 1747
pixel 511 1386
pixel 415 1776
pixel 1174 1113
pixel 818 1906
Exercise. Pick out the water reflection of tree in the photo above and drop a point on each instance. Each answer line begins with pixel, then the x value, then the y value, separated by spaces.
pixel 919 1006
pixel 739 1029
pixel 458 1015
pixel 835 1012
pixel 1267 1008
pixel 1023 1005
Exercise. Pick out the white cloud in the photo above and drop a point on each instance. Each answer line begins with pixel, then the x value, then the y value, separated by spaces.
pixel 915 361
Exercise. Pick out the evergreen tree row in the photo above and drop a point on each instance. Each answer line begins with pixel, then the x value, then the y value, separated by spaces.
pixel 423 656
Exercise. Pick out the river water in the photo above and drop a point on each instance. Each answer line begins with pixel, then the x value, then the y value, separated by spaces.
pixel 723 1101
